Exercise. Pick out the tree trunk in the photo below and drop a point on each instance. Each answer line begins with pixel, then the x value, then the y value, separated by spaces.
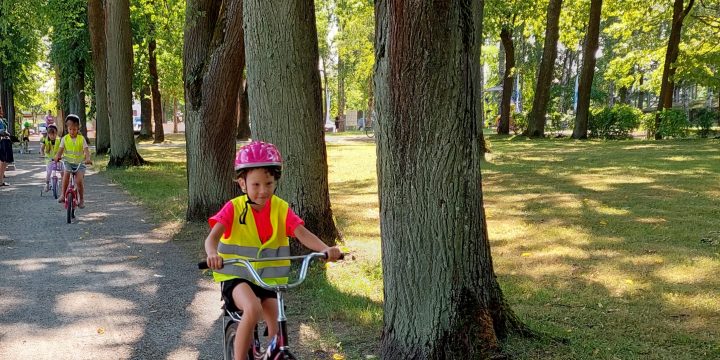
pixel 145 113
pixel 641 93
pixel 282 53
pixel 174 115
pixel 159 134
pixel 673 49
pixel 588 71
pixel 212 52
pixel 341 88
pixel 96 25
pixel 243 130
pixel 478 9
pixel 442 300
pixel 508 81
pixel 10 111
pixel 537 117
pixel 119 67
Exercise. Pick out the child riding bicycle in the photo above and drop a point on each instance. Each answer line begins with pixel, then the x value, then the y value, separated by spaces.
pixel 50 146
pixel 76 153
pixel 256 225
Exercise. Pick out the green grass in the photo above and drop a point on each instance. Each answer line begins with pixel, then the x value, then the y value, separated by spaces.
pixel 612 245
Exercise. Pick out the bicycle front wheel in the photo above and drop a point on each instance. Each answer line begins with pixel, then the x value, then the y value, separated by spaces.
pixel 69 202
pixel 55 188
pixel 229 351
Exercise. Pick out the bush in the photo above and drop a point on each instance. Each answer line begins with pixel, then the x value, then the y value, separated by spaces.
pixel 519 122
pixel 558 122
pixel 614 122
pixel 673 123
pixel 648 123
pixel 704 119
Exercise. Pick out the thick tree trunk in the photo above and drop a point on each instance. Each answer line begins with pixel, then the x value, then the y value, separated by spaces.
pixel 211 73
pixel 537 117
pixel 145 113
pixel 673 49
pixel 508 81
pixel 96 25
pixel 77 97
pixel 10 110
pixel 442 300
pixel 159 133
pixel 243 129
pixel 588 71
pixel 119 65
pixel 282 56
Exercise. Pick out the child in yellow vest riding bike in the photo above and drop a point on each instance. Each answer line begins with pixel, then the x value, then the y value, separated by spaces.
pixel 50 146
pixel 256 225
pixel 75 152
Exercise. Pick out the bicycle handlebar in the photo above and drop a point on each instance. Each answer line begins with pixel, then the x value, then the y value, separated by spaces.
pixel 307 259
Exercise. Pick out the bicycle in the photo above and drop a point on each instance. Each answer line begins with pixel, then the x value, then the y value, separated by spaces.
pixel 370 130
pixel 278 348
pixel 71 194
pixel 54 169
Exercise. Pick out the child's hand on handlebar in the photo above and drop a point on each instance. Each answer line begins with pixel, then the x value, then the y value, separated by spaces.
pixel 215 262
pixel 333 253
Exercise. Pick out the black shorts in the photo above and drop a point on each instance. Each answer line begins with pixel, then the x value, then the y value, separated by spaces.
pixel 6 151
pixel 226 288
pixel 25 138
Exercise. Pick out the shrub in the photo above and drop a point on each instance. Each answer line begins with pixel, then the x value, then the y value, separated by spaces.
pixel 673 123
pixel 519 122
pixel 614 122
pixel 557 122
pixel 648 123
pixel 704 119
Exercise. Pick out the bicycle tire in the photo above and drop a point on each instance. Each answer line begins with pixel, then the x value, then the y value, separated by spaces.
pixel 369 132
pixel 70 210
pixel 229 351
pixel 55 188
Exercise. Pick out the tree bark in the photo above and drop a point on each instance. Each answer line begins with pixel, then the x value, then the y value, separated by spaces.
pixel 174 116
pixel 673 50
pixel 441 297
pixel 145 113
pixel 159 133
pixel 588 71
pixel 96 27
pixel 211 73
pixel 537 117
pixel 119 67
pixel 641 93
pixel 508 81
pixel 282 56
pixel 77 103
pixel 243 130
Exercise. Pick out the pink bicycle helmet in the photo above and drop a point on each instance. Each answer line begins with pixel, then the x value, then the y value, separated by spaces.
pixel 257 154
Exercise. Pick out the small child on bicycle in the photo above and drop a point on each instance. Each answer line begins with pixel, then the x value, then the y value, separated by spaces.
pixel 50 146
pixel 256 225
pixel 75 153
pixel 25 133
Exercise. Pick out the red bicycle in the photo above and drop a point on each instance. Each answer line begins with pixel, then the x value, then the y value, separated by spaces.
pixel 71 194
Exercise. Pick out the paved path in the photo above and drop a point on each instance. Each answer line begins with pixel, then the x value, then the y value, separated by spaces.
pixel 109 286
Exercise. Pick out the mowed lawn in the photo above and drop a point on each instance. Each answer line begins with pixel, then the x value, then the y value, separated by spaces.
pixel 613 246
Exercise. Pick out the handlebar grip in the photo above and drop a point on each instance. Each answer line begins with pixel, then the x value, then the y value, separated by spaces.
pixel 203 265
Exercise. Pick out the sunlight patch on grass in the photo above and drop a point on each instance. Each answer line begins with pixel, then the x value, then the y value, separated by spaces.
pixel 699 271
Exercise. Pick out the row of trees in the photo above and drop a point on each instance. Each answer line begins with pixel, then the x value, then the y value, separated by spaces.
pixel 612 51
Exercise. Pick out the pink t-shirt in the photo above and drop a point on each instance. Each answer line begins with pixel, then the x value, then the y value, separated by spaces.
pixel 262 220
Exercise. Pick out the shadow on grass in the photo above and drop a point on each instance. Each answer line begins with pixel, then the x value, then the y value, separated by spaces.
pixel 606 246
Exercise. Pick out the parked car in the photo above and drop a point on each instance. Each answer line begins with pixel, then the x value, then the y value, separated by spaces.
pixel 42 128
pixel 137 124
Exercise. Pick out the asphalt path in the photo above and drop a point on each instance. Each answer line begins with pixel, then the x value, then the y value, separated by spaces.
pixel 111 285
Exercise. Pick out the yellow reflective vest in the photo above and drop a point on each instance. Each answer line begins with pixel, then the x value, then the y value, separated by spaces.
pixel 244 242
pixel 73 152
pixel 50 148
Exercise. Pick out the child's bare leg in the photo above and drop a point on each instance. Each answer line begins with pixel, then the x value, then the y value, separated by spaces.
pixel 245 300
pixel 80 177
pixel 270 314
pixel 48 170
pixel 3 167
pixel 65 183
